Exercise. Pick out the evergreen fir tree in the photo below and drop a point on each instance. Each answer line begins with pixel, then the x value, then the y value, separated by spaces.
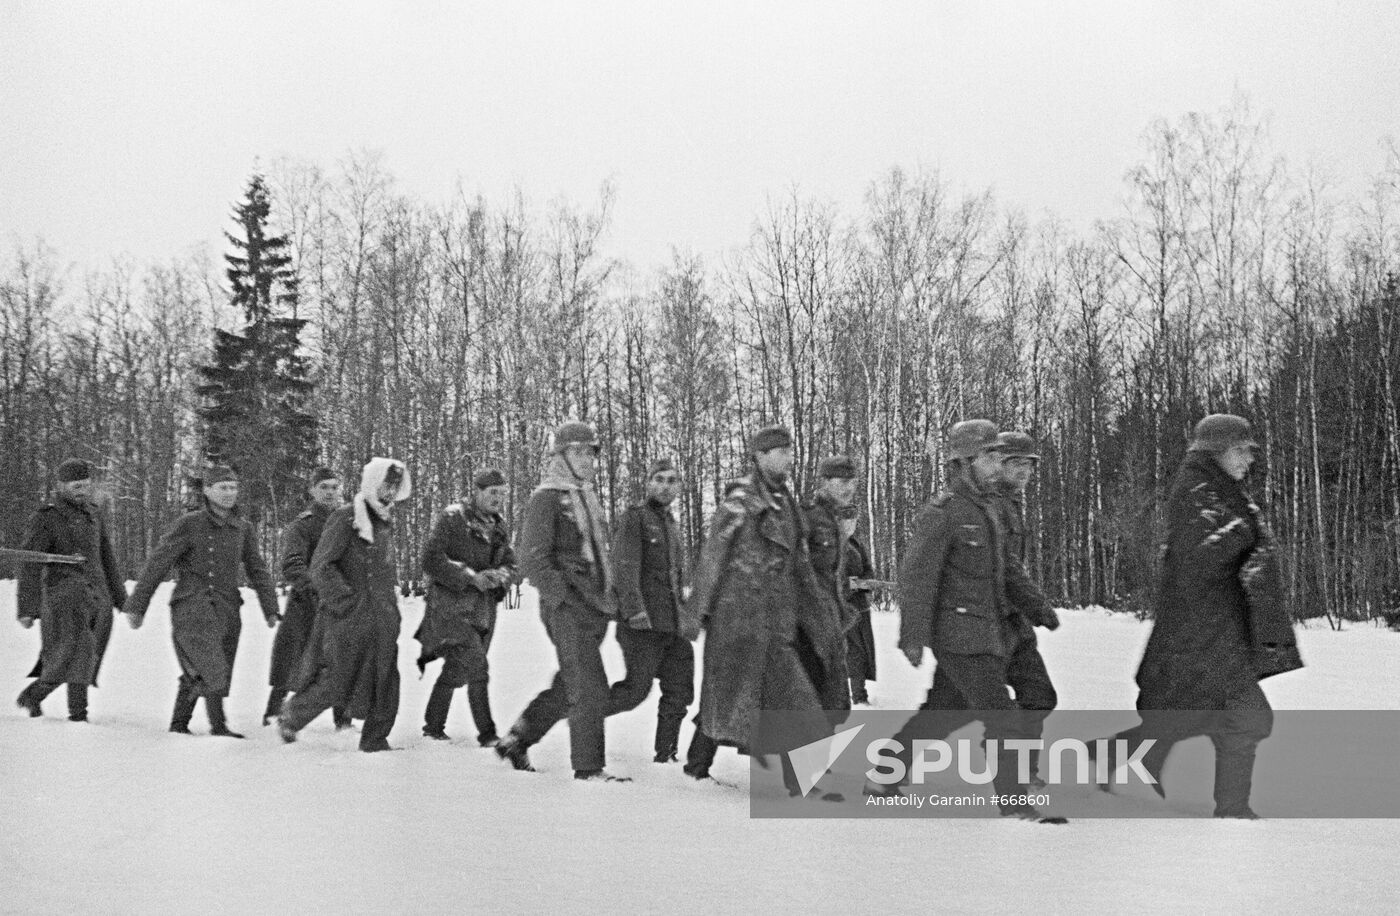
pixel 257 390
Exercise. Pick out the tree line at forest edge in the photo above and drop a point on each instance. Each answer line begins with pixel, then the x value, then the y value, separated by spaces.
pixel 455 335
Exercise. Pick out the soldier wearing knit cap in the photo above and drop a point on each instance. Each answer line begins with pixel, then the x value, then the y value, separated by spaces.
pixel 206 548
pixel 656 628
pixel 73 601
pixel 298 629
pixel 469 564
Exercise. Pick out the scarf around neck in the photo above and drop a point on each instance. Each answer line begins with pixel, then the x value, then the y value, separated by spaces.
pixel 587 512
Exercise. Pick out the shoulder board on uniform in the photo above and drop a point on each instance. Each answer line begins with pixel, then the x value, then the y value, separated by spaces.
pixel 941 500
pixel 307 514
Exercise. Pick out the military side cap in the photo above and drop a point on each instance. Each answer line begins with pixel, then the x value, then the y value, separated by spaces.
pixel 574 432
pixel 218 474
pixel 489 478
pixel 970 438
pixel 323 473
pixel 74 469
pixel 838 466
pixel 769 438
pixel 1017 445
pixel 845 513
pixel 1220 432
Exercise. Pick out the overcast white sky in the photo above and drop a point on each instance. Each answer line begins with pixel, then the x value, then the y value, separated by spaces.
pixel 131 128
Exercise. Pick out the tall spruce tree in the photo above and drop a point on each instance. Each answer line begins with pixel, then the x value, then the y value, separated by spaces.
pixel 257 390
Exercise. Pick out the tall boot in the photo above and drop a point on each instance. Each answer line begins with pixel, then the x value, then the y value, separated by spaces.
pixel 218 725
pixel 435 716
pixel 274 704
pixel 30 698
pixel 185 699
pixel 668 738
pixel 340 715
pixel 1234 780
pixel 77 702
pixel 479 699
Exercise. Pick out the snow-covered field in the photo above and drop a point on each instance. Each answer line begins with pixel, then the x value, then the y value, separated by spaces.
pixel 118 816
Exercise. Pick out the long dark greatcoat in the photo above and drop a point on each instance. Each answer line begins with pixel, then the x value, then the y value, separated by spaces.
pixel 464 540
pixel 357 623
pixel 299 541
pixel 826 546
pixel 206 552
pixel 72 603
pixel 752 583
pixel 1210 640
pixel 860 638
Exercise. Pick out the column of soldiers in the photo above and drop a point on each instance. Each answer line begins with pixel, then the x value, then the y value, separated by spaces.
pixel 782 590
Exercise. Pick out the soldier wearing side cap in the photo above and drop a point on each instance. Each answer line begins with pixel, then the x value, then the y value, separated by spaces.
pixel 206 548
pixel 299 541
pixel 469 564
pixel 959 595
pixel 1025 669
pixel 826 544
pixel 72 602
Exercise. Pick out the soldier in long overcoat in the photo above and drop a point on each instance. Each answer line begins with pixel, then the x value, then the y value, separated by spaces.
pixel 752 586
pixel 826 545
pixel 357 587
pixel 72 602
pixel 299 541
pixel 1221 622
pixel 860 638
pixel 206 548
pixel 469 564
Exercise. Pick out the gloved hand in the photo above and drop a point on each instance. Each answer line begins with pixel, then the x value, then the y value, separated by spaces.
pixel 273 620
pixel 915 655
pixel 1049 619
pixel 135 620
pixel 639 621
pixel 26 622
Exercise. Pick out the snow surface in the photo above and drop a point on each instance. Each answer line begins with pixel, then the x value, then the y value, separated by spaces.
pixel 118 816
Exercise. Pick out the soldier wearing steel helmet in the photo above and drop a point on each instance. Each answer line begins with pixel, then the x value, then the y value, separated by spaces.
pixel 564 554
pixel 955 598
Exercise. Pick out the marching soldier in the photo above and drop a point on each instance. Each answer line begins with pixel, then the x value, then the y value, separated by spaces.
pixel 206 547
pixel 1025 669
pixel 656 629
pixel 469 564
pixel 564 554
pixel 357 587
pixel 72 602
pixel 752 586
pixel 836 487
pixel 959 596
pixel 298 544
pixel 858 584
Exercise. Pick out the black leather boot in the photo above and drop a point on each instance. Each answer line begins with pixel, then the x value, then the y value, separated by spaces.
pixel 77 702
pixel 185 699
pixel 435 716
pixel 218 725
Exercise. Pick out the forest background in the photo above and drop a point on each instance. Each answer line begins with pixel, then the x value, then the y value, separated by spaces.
pixel 455 334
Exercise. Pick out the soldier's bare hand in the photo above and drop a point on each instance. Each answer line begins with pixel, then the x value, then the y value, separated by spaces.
pixel 26 622
pixel 915 656
pixel 272 622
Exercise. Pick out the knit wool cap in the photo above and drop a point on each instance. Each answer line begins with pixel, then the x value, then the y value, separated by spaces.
pixel 489 478
pixel 769 438
pixel 838 466
pixel 74 469
pixel 659 465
